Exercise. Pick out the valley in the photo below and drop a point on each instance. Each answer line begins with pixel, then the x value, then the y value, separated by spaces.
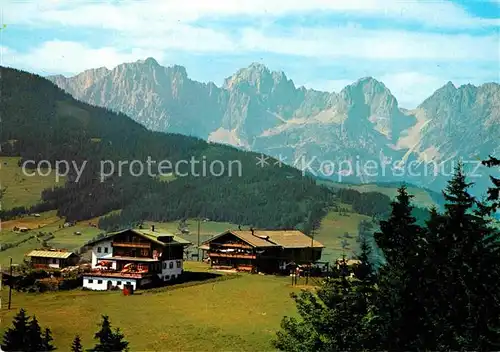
pixel 293 176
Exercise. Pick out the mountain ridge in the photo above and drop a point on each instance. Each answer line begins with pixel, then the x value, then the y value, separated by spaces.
pixel 262 110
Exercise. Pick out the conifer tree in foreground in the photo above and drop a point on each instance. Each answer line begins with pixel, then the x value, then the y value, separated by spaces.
pixel 109 340
pixel 464 265
pixel 437 290
pixel 14 339
pixel 26 335
pixel 47 341
pixel 332 318
pixel 494 191
pixel 397 321
pixel 76 346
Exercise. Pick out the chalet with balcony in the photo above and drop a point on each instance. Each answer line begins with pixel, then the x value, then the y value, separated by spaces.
pixel 134 257
pixel 52 258
pixel 261 251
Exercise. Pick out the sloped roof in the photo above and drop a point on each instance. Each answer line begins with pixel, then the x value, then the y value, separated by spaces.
pixel 153 235
pixel 245 236
pixel 50 254
pixel 253 239
pixel 148 234
pixel 273 238
pixel 290 239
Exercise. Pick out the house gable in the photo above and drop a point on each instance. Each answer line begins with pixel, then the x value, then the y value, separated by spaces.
pixel 229 238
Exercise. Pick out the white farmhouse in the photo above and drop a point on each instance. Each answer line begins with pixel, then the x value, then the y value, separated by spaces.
pixel 134 257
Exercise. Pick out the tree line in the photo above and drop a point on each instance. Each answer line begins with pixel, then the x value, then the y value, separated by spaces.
pixel 436 289
pixel 26 335
pixel 375 204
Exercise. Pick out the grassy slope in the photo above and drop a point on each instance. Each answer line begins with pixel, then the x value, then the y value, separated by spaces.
pixel 22 190
pixel 238 314
pixel 48 222
pixel 333 227
pixel 422 197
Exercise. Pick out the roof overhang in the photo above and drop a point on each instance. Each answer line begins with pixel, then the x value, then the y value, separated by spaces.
pixel 241 238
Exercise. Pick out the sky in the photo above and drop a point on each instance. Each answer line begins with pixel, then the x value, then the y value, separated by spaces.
pixel 413 47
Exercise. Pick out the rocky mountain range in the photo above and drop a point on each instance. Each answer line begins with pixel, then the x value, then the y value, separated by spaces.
pixel 360 134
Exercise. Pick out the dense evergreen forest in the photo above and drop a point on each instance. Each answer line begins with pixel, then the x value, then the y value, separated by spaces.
pixel 42 122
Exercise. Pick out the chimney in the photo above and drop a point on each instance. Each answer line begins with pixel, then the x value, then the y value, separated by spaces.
pixel 251 229
pixel 153 228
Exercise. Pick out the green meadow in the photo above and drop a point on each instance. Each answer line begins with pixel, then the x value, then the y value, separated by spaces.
pixel 242 313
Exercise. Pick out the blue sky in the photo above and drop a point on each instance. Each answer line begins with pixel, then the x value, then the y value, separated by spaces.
pixel 414 47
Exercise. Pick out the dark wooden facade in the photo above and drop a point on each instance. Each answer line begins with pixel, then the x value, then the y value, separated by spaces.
pixel 130 244
pixel 54 263
pixel 229 251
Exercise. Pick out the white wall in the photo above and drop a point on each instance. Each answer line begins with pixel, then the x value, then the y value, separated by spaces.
pixel 96 256
pixel 168 273
pixel 95 285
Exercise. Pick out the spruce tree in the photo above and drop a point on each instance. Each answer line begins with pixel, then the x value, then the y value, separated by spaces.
pixel 26 335
pixel 76 346
pixel 494 191
pixel 47 340
pixel 365 270
pixel 15 338
pixel 34 337
pixel 464 261
pixel 398 323
pixel 109 340
pixel 331 319
pixel 399 235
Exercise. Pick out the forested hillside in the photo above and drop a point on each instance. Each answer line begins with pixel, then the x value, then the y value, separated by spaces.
pixel 42 122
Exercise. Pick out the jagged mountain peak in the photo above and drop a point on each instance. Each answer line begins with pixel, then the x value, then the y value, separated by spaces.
pixel 148 61
pixel 368 83
pixel 258 76
pixel 151 61
pixel 370 91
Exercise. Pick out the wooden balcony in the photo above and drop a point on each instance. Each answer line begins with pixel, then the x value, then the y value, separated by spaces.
pixel 233 245
pixel 118 274
pixel 131 244
pixel 232 255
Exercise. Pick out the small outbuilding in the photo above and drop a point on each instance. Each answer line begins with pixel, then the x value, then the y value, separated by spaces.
pixel 52 258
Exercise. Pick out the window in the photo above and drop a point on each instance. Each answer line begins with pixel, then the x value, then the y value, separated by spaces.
pixel 179 263
pixel 98 249
pixel 54 261
pixel 105 249
pixel 91 281
pixel 164 265
pixel 118 283
pixel 171 265
pixel 167 277
pixel 99 281
pixel 128 282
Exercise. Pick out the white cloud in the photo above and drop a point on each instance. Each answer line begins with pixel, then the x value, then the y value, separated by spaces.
pixel 412 88
pixel 351 42
pixel 134 15
pixel 132 30
pixel 168 25
pixel 71 57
